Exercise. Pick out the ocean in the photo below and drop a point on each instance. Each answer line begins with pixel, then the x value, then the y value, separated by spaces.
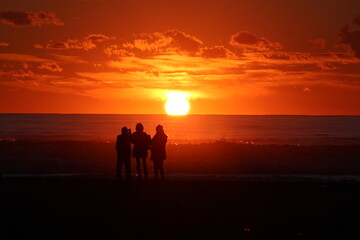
pixel 200 146
pixel 276 129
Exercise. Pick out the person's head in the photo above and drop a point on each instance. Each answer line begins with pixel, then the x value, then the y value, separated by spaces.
pixel 124 131
pixel 139 127
pixel 159 128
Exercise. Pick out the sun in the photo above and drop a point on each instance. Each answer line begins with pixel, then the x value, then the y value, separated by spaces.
pixel 177 104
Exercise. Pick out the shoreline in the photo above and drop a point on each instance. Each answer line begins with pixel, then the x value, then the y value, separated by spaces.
pixel 296 178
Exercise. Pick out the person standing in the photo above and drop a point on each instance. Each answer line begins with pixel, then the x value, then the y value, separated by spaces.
pixel 141 142
pixel 158 151
pixel 123 148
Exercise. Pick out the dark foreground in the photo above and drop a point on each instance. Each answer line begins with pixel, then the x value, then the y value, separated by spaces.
pixel 219 157
pixel 68 208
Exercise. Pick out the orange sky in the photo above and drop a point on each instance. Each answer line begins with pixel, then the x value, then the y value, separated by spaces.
pixel 230 56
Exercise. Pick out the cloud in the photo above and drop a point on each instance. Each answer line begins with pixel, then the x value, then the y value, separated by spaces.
pixel 327 66
pixel 87 43
pixel 21 18
pixel 183 41
pixel 69 44
pixel 9 72
pixel 152 42
pixel 20 57
pixel 98 38
pixel 191 73
pixel 153 72
pixel 218 77
pixel 300 60
pixel 4 44
pixel 165 42
pixel 145 78
pixel 250 42
pixel 351 38
pixel 115 50
pixel 277 56
pixel 216 52
pixel 69 58
pixel 180 64
pixel 174 60
pixel 317 43
pixel 51 66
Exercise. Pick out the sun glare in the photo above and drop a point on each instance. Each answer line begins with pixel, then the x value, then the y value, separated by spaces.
pixel 177 104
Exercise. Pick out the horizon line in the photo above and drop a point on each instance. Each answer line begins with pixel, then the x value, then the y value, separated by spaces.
pixel 198 114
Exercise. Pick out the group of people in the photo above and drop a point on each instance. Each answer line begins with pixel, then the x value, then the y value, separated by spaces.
pixel 142 142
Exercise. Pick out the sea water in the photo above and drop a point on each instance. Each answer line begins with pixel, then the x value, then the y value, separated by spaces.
pixel 259 129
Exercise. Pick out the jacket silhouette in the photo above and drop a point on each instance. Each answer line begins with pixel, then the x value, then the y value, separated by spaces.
pixel 158 151
pixel 123 148
pixel 141 142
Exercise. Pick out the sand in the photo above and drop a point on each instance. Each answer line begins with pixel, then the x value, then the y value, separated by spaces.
pixel 220 157
pixel 103 208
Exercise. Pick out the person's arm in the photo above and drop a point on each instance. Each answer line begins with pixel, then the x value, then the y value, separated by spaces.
pixel 152 140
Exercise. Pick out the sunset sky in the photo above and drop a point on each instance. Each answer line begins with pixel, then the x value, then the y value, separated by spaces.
pixel 227 56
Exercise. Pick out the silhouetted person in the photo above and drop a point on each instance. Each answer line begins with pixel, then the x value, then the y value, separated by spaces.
pixel 158 151
pixel 123 148
pixel 141 143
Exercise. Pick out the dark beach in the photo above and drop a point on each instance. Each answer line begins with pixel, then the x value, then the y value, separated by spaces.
pixel 67 208
pixel 285 204
pixel 220 157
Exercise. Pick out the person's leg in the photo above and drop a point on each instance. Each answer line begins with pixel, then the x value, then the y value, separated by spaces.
pixel 128 168
pixel 118 167
pixel 138 171
pixel 162 172
pixel 156 169
pixel 145 167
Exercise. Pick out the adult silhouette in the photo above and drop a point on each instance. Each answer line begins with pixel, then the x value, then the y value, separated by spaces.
pixel 123 148
pixel 158 151
pixel 141 142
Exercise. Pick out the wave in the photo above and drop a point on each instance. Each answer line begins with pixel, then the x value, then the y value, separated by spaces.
pixel 303 130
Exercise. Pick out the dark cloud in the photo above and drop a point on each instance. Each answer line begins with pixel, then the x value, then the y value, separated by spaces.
pixel 86 43
pixel 351 38
pixel 184 41
pixel 21 18
pixel 216 52
pixel 249 41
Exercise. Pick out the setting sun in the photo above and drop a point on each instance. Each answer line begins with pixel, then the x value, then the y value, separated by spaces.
pixel 177 104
